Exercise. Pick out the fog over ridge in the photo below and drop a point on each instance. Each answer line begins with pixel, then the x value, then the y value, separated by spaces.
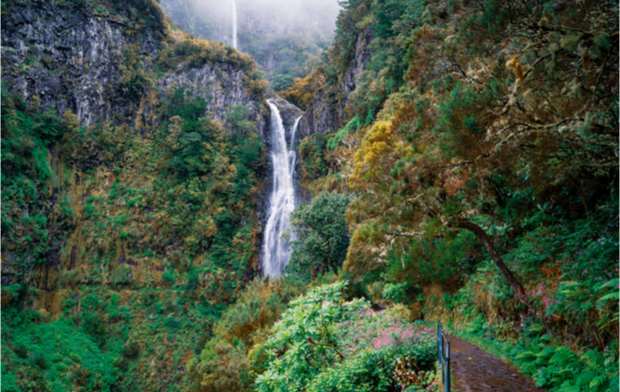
pixel 257 17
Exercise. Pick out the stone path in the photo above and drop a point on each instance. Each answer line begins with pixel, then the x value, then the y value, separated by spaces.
pixel 474 370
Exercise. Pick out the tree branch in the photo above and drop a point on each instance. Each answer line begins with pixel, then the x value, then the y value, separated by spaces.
pixel 497 259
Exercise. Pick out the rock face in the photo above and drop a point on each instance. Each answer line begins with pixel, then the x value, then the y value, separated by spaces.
pixel 324 116
pixel 70 59
pixel 221 85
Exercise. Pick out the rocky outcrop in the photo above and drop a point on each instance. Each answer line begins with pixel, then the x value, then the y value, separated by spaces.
pixel 220 85
pixel 326 114
pixel 67 57
pixel 289 113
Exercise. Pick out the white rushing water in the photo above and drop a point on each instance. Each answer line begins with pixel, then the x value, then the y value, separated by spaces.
pixel 234 24
pixel 276 250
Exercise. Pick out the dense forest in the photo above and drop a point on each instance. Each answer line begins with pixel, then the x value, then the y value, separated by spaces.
pixel 458 163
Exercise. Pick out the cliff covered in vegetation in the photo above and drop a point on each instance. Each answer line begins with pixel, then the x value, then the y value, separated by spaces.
pixel 463 162
pixel 133 161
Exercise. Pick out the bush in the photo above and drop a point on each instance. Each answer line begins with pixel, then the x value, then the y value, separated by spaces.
pixel 222 367
pixel 396 293
pixel 323 235
pixel 324 344
pixel 53 348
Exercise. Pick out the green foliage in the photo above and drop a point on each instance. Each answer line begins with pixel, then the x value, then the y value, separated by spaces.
pixel 133 79
pixel 257 309
pixel 221 367
pixel 237 117
pixel 31 185
pixel 314 156
pixel 51 357
pixel 510 145
pixel 396 293
pixel 337 139
pixel 229 361
pixel 324 344
pixel 190 136
pixel 145 15
pixel 303 91
pixel 138 209
pixel 295 55
pixel 323 235
pixel 282 82
pixel 388 13
pixel 571 271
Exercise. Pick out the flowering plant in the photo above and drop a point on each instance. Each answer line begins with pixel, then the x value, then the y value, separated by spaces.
pixel 323 343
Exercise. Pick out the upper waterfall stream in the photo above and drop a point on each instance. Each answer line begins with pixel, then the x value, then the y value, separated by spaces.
pixel 276 250
pixel 234 24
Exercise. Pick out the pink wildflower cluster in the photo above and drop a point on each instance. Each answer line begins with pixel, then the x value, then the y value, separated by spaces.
pixel 393 336
pixel 379 330
pixel 546 298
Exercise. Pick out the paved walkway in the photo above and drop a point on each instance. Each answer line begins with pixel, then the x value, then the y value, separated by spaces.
pixel 477 371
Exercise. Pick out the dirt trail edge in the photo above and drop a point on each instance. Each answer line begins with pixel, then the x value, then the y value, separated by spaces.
pixel 476 371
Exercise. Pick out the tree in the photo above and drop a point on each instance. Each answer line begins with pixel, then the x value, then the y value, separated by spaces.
pixel 323 237
pixel 237 119
pixel 303 342
pixel 478 122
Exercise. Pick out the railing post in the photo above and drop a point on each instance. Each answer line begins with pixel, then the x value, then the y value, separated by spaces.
pixel 443 356
pixel 438 340
pixel 447 383
pixel 440 351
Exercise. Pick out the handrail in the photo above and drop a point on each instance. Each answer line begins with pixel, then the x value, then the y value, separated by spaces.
pixel 443 356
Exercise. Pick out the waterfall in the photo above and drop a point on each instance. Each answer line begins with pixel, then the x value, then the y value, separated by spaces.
pixel 292 155
pixel 276 251
pixel 234 24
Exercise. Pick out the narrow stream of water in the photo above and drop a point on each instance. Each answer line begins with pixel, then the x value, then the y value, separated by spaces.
pixel 234 24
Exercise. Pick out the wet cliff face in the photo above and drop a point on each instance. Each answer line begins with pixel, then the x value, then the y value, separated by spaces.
pixel 97 65
pixel 326 114
pixel 71 59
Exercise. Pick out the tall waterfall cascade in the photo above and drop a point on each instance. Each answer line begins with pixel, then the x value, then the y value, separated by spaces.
pixel 234 24
pixel 276 250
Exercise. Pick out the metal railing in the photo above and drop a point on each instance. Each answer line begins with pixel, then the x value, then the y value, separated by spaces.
pixel 443 356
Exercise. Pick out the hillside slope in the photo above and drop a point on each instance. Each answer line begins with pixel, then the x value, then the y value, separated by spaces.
pixel 133 161
pixel 481 143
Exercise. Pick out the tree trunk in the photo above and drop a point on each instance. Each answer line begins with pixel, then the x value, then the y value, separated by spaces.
pixel 497 259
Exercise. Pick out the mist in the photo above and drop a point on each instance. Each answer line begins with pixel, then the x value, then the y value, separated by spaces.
pixel 259 17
